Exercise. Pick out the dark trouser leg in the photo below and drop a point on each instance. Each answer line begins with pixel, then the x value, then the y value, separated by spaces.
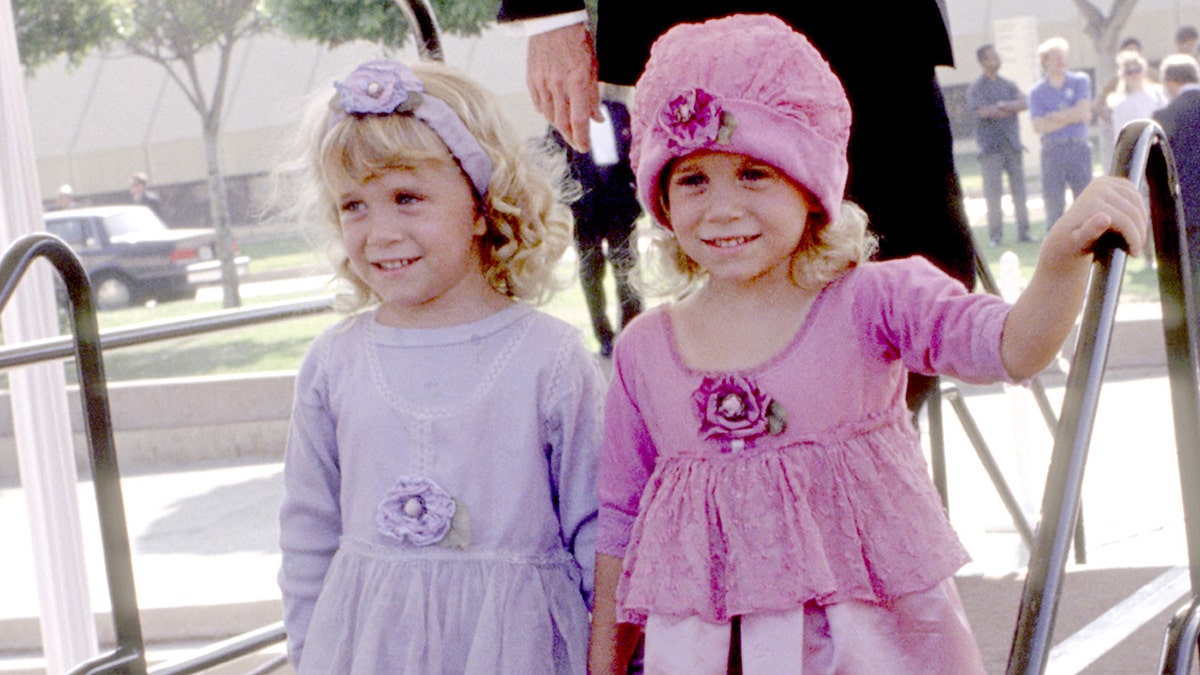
pixel 991 166
pixel 1054 183
pixel 919 388
pixel 1079 168
pixel 591 276
pixel 622 257
pixel 1014 166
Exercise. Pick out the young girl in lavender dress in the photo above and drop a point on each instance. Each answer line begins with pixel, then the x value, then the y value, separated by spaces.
pixel 440 504
pixel 759 462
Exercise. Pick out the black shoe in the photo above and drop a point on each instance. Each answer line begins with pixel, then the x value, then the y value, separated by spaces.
pixel 1027 240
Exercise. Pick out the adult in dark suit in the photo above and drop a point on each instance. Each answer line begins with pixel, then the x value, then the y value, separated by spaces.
pixel 1180 119
pixel 901 161
pixel 605 214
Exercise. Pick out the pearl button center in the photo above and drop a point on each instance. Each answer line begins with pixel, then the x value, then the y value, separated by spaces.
pixel 414 507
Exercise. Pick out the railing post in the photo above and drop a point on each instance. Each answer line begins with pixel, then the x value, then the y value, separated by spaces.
pixel 424 27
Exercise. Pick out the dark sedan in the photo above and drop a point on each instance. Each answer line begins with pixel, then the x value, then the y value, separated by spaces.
pixel 131 257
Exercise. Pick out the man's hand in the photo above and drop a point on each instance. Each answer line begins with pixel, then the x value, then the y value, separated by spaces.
pixel 561 72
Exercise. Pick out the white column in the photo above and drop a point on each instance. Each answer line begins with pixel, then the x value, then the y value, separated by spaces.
pixel 41 421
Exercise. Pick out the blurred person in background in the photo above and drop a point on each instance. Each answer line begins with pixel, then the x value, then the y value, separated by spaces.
pixel 996 102
pixel 139 193
pixel 1060 105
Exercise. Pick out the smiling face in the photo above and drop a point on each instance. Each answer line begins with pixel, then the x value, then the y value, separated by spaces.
pixel 412 235
pixel 738 218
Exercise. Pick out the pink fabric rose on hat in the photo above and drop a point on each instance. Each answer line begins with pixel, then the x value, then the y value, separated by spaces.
pixel 691 120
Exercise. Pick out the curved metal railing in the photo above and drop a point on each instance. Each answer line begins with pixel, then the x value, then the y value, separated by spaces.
pixel 1143 155
pixel 129 655
pixel 424 27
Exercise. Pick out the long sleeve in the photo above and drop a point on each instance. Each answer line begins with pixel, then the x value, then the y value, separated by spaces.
pixel 576 428
pixel 626 464
pixel 310 516
pixel 930 321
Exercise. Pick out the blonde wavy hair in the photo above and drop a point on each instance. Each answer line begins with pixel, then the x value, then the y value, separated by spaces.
pixel 529 227
pixel 826 249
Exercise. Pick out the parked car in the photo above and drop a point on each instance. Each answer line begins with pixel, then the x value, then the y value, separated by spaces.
pixel 131 256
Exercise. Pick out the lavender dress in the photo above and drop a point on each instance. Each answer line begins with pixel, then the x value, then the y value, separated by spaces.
pixel 440 505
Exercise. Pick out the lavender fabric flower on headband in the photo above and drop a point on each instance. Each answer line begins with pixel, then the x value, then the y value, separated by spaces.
pixel 692 120
pixel 380 88
pixel 733 408
pixel 416 510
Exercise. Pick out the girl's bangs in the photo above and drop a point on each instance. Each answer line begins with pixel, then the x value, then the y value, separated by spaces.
pixel 360 147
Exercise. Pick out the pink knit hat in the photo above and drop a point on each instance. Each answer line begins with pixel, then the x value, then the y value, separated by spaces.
pixel 746 84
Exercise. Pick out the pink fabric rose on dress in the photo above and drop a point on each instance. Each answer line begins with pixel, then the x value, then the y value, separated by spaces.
pixel 380 88
pixel 416 510
pixel 733 408
pixel 691 120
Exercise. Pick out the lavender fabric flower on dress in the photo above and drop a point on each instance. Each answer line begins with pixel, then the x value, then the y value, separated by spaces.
pixel 415 510
pixel 691 120
pixel 733 408
pixel 380 87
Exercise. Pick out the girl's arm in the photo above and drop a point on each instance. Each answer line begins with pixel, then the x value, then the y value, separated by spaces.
pixel 575 409
pixel 310 515
pixel 1043 316
pixel 612 643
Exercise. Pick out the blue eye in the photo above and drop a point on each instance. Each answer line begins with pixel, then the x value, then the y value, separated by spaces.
pixel 690 179
pixel 756 173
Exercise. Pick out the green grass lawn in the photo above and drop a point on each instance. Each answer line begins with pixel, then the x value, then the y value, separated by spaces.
pixel 1140 283
pixel 265 347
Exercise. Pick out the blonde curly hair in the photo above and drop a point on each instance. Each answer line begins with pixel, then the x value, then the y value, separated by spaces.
pixel 826 249
pixel 529 227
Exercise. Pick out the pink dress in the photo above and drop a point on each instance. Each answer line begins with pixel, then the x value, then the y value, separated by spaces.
pixel 797 482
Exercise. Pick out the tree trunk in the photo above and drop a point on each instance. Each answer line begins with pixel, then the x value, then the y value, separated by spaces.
pixel 218 209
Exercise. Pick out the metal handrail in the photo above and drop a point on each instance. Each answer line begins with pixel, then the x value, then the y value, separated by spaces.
pixel 129 654
pixel 1177 267
pixel 228 650
pixel 1141 153
pixel 425 28
pixel 86 345
pixel 49 349
pixel 952 394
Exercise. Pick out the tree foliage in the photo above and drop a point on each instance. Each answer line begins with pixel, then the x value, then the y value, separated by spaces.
pixel 73 28
pixel 334 22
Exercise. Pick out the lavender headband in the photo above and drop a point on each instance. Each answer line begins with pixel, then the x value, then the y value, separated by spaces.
pixel 386 87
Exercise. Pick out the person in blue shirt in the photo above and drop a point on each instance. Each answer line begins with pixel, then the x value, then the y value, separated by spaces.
pixel 1060 105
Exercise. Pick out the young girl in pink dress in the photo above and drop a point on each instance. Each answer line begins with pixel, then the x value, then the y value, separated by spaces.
pixel 760 464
